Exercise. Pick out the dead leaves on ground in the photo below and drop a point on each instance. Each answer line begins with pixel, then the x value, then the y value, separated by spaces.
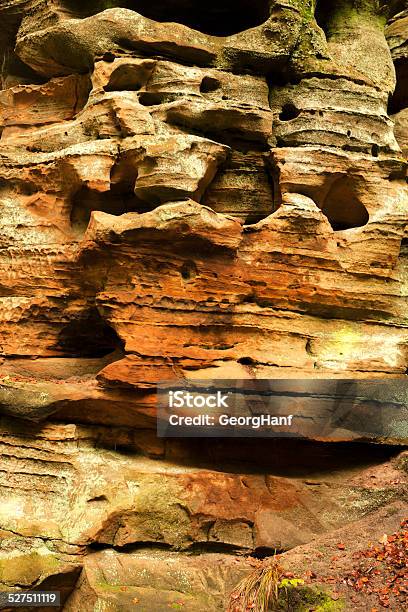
pixel 382 569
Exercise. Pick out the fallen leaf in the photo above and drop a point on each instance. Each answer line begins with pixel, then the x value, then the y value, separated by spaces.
pixel 311 574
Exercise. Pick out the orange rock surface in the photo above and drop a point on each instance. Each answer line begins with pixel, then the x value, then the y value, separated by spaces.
pixel 191 191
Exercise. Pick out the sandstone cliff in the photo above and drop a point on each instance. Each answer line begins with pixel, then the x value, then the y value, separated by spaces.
pixel 192 190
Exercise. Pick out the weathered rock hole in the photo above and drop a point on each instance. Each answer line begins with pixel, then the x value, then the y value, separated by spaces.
pixel 375 150
pixel 188 270
pixel 129 77
pixel 86 201
pixel 289 112
pixel 342 208
pixel 209 84
pixel 128 86
pixel 108 57
pixel 118 200
pixel 214 17
pixel 247 361
pixel 89 336
pixel 397 175
pixel 151 99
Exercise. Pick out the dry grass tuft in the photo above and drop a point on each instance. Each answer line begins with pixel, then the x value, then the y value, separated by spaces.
pixel 257 592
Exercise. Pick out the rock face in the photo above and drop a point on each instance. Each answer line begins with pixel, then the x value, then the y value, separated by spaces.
pixel 191 191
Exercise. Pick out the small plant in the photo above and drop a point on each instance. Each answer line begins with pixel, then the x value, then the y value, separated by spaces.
pixel 287 584
pixel 258 592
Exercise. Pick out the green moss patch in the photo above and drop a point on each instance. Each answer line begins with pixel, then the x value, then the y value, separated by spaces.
pixel 304 599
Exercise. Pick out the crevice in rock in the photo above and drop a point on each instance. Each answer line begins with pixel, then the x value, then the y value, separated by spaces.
pixel 13 71
pixel 128 548
pixel 264 552
pixel 323 12
pixel 329 14
pixel 89 336
pixel 97 499
pixel 214 18
pixel 214 547
pixel 404 248
pixel 282 457
pixel 196 548
pixel 119 199
pixel 399 100
pixel 393 7
pixel 232 136
pixel 273 174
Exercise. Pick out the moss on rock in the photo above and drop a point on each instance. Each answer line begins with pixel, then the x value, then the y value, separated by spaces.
pixel 25 569
pixel 304 599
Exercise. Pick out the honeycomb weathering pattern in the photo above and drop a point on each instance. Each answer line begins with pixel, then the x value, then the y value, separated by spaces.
pixel 222 202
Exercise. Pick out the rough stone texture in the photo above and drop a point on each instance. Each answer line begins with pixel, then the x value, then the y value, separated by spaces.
pixel 223 196
pixel 194 583
pixel 401 130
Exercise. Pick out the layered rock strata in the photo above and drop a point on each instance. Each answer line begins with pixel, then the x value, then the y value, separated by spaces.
pixel 190 192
